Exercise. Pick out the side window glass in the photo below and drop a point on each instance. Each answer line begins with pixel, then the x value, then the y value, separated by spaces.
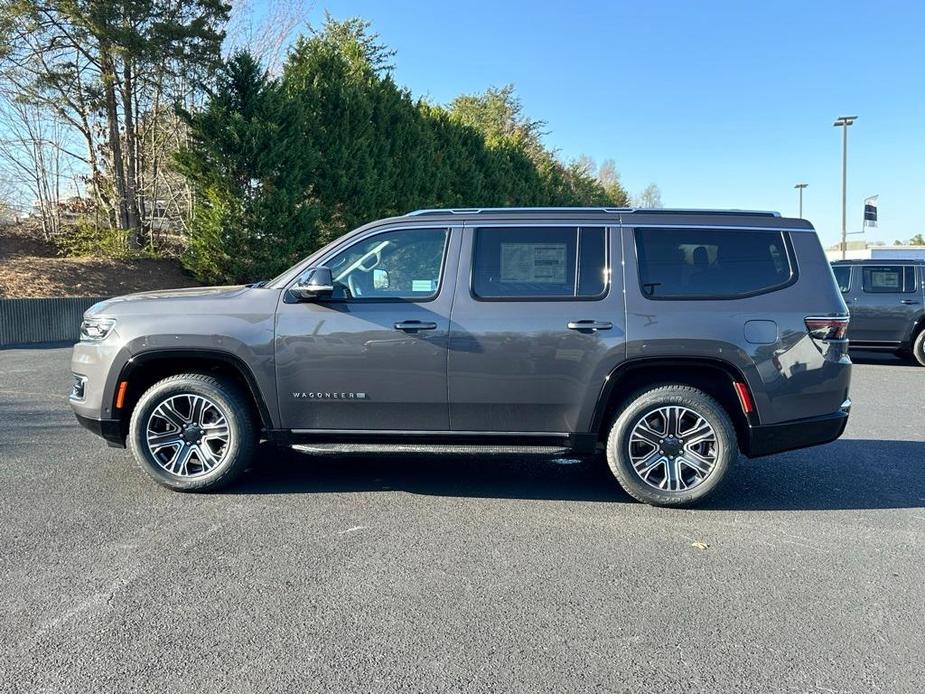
pixel 884 279
pixel 688 263
pixel 539 262
pixel 842 278
pixel 403 265
pixel 909 285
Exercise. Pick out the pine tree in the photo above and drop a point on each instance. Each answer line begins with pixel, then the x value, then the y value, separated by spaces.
pixel 254 211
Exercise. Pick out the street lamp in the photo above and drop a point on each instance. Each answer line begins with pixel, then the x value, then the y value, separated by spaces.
pixel 844 122
pixel 800 187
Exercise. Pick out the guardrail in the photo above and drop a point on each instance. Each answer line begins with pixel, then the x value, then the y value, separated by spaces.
pixel 30 321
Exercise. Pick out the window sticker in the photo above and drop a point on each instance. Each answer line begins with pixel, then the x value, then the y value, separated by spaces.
pixel 423 285
pixel 884 279
pixel 534 262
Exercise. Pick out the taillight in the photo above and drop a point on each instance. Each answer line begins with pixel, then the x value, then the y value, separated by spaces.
pixel 827 328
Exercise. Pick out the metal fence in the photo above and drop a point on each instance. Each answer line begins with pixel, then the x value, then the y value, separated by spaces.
pixel 29 321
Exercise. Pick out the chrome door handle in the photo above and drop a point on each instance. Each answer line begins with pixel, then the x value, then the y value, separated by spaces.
pixel 908 302
pixel 590 325
pixel 412 326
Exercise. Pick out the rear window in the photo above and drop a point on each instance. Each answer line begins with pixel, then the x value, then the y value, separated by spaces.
pixel 711 263
pixel 888 279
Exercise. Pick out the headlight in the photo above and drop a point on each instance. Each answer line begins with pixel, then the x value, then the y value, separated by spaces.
pixel 96 329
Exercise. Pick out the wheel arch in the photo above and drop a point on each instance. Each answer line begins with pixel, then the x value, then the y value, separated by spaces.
pixel 147 368
pixel 918 325
pixel 715 377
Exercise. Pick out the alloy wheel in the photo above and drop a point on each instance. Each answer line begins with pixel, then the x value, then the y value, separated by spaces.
pixel 673 448
pixel 188 435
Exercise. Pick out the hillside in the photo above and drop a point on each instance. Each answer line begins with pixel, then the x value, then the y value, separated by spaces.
pixel 31 267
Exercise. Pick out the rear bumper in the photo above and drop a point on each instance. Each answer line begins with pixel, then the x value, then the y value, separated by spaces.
pixel 800 433
pixel 109 429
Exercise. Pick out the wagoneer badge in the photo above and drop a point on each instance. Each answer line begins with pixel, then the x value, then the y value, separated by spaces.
pixel 329 396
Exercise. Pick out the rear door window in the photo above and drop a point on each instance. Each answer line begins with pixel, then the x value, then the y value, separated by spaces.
pixel 539 263
pixel 842 278
pixel 711 263
pixel 888 279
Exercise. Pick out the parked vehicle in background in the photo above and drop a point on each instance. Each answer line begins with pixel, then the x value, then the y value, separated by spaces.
pixel 672 339
pixel 887 304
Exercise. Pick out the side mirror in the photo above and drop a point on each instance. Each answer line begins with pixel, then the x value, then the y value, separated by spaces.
pixel 380 279
pixel 317 283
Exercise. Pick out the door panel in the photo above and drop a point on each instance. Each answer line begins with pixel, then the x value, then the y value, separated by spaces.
pixel 884 303
pixel 514 363
pixel 373 361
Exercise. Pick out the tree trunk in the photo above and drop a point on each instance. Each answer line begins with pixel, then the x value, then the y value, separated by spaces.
pixel 131 174
pixel 108 74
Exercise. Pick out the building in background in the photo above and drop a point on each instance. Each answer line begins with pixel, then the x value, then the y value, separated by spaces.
pixel 861 250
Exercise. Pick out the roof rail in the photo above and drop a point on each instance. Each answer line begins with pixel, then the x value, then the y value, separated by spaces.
pixel 878 261
pixel 516 210
pixel 573 210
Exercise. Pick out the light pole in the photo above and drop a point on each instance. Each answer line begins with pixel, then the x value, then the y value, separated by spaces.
pixel 844 122
pixel 800 187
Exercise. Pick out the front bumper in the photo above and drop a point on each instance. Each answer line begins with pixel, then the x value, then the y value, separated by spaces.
pixel 800 433
pixel 109 429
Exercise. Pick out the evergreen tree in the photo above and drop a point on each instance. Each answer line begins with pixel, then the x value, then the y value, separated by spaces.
pixel 255 212
pixel 282 166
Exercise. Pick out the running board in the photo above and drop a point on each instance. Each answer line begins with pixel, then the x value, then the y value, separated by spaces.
pixel 579 443
pixel 463 449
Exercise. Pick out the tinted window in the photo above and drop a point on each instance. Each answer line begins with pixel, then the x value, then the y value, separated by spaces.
pixel 404 264
pixel 909 283
pixel 842 277
pixel 888 279
pixel 538 262
pixel 710 263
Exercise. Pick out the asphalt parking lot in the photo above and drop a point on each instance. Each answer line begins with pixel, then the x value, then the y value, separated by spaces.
pixel 405 571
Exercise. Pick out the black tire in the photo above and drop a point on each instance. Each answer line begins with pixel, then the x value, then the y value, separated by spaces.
pixel 643 404
pixel 918 348
pixel 227 399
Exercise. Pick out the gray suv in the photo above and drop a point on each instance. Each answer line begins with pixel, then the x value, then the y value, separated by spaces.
pixel 671 339
pixel 887 304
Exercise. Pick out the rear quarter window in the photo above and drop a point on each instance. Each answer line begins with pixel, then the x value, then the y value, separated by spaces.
pixel 842 278
pixel 712 263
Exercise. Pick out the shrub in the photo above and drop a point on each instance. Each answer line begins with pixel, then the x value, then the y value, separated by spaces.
pixel 88 239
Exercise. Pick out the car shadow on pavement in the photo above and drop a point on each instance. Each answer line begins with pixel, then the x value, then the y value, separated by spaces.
pixel 847 474
pixel 875 358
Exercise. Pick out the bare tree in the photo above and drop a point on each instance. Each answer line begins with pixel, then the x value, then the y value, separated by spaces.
pixel 97 65
pixel 649 198
pixel 268 37
pixel 609 178
pixel 36 159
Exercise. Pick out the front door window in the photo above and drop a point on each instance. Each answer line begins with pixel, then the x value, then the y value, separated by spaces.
pixel 399 265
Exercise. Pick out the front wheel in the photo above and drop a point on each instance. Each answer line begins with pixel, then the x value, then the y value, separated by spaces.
pixel 193 432
pixel 672 445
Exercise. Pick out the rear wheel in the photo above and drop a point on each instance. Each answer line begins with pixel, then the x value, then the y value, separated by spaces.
pixel 192 432
pixel 671 445
pixel 918 348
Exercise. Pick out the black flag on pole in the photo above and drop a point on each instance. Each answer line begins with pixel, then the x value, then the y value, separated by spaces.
pixel 870 210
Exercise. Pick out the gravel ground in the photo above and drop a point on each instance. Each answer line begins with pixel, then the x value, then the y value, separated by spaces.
pixel 492 571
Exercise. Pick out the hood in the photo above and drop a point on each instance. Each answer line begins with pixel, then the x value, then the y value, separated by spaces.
pixel 167 300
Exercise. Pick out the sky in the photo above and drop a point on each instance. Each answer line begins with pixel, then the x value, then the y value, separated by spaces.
pixel 722 104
